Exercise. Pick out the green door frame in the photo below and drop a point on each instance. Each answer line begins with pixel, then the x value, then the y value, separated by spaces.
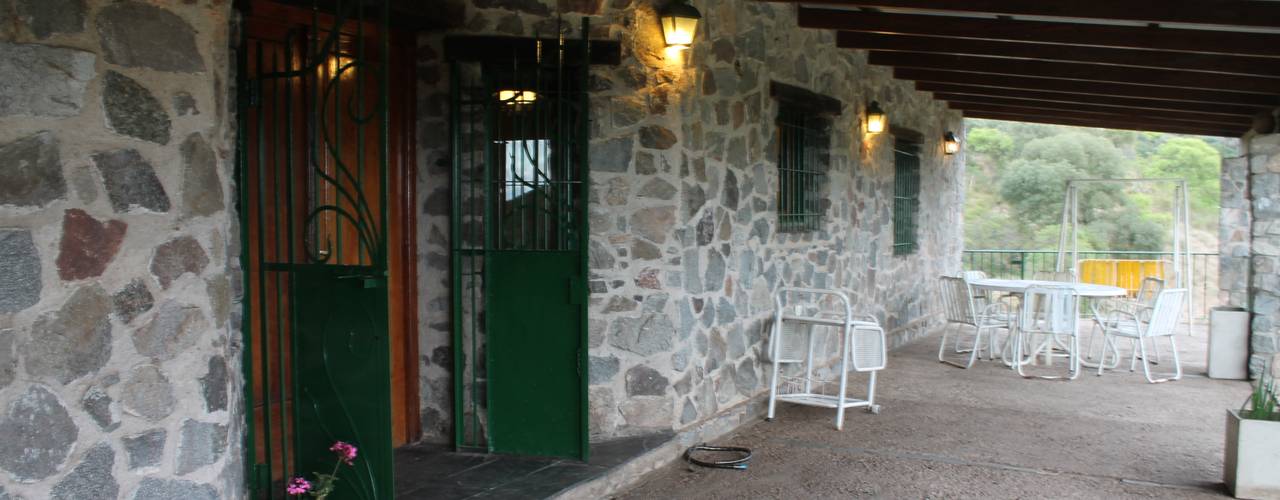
pixel 302 190
pixel 473 122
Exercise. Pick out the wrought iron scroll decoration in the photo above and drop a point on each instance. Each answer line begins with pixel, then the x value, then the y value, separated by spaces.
pixel 322 142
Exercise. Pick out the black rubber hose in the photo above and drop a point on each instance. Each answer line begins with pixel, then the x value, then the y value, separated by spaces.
pixel 736 463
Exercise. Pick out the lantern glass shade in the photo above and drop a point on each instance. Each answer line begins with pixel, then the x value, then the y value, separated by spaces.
pixel 950 145
pixel 877 122
pixel 513 97
pixel 679 23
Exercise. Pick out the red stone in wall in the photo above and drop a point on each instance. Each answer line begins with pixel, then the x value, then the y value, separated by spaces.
pixel 87 245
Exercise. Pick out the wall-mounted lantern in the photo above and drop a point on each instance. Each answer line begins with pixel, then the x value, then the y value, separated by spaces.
pixel 950 145
pixel 679 23
pixel 514 97
pixel 877 122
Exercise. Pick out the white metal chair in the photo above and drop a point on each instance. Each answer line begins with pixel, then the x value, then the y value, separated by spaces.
pixel 1139 305
pixel 1165 313
pixel 963 308
pixel 794 340
pixel 1048 311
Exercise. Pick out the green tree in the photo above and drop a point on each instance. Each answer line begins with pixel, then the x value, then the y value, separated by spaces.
pixel 989 141
pixel 1192 159
pixel 1090 155
pixel 1034 188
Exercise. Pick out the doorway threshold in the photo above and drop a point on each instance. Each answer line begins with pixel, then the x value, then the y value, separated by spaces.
pixel 436 472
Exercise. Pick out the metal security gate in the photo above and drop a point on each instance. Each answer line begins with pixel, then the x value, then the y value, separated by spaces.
pixel 312 171
pixel 906 196
pixel 519 229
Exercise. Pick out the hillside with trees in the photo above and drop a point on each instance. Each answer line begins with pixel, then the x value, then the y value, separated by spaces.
pixel 1017 175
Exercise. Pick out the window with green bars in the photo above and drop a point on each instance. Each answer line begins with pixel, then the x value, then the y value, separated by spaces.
pixel 803 140
pixel 906 196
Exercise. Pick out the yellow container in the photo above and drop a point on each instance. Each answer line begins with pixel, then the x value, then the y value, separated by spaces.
pixel 1124 273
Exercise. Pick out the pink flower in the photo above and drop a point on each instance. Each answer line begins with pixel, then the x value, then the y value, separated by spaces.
pixel 346 451
pixel 298 486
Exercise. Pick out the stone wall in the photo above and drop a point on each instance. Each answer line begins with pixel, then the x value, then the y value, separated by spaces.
pixel 1264 194
pixel 686 252
pixel 1234 233
pixel 118 356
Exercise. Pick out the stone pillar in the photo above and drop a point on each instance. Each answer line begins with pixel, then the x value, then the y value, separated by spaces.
pixel 1234 233
pixel 118 346
pixel 1264 192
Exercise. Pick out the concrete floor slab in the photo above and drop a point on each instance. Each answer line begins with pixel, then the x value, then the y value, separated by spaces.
pixel 985 432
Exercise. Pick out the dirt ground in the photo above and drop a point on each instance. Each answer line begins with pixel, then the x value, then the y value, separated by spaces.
pixel 945 432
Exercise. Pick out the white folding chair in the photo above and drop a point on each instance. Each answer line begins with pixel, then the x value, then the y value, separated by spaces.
pixel 1163 322
pixel 963 308
pixel 1049 311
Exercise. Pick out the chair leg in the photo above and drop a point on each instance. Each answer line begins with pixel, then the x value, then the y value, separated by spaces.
pixel 942 347
pixel 1017 355
pixel 871 391
pixel 1088 350
pixel 1177 364
pixel 1110 342
pixel 844 379
pixel 1074 356
pixel 1133 353
pixel 1146 362
pixel 1102 357
pixel 973 353
pixel 773 383
pixel 957 348
pixel 991 344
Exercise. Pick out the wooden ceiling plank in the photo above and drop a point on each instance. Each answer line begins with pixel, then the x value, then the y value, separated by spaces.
pixel 1252 13
pixel 1086 87
pixel 1180 116
pixel 1077 71
pixel 1069 97
pixel 1187 40
pixel 1052 120
pixel 1219 63
pixel 1092 117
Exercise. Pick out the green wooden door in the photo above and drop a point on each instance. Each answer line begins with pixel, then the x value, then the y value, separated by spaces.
pixel 535 325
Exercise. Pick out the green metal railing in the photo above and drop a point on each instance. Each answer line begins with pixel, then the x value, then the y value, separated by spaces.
pixel 1025 264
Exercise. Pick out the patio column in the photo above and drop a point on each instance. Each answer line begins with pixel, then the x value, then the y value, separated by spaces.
pixel 1250 265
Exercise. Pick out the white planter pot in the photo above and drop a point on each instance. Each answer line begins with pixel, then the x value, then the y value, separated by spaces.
pixel 1251 465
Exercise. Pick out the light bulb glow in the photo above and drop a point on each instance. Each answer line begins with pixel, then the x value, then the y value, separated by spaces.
pixel 513 97
pixel 877 121
pixel 950 145
pixel 679 31
pixel 679 22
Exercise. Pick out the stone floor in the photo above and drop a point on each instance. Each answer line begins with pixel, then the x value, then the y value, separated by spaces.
pixel 985 432
pixel 435 472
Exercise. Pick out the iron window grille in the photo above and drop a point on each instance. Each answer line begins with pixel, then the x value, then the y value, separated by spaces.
pixel 803 140
pixel 906 196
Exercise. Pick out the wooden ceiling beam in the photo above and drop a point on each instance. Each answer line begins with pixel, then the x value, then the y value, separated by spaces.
pixel 1218 63
pixel 1186 40
pixel 1081 98
pixel 1054 120
pixel 1102 120
pixel 1177 116
pixel 1086 87
pixel 1077 71
pixel 1252 13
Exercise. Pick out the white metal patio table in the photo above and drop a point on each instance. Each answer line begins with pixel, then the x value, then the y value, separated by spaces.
pixel 1018 287
pixel 1086 290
